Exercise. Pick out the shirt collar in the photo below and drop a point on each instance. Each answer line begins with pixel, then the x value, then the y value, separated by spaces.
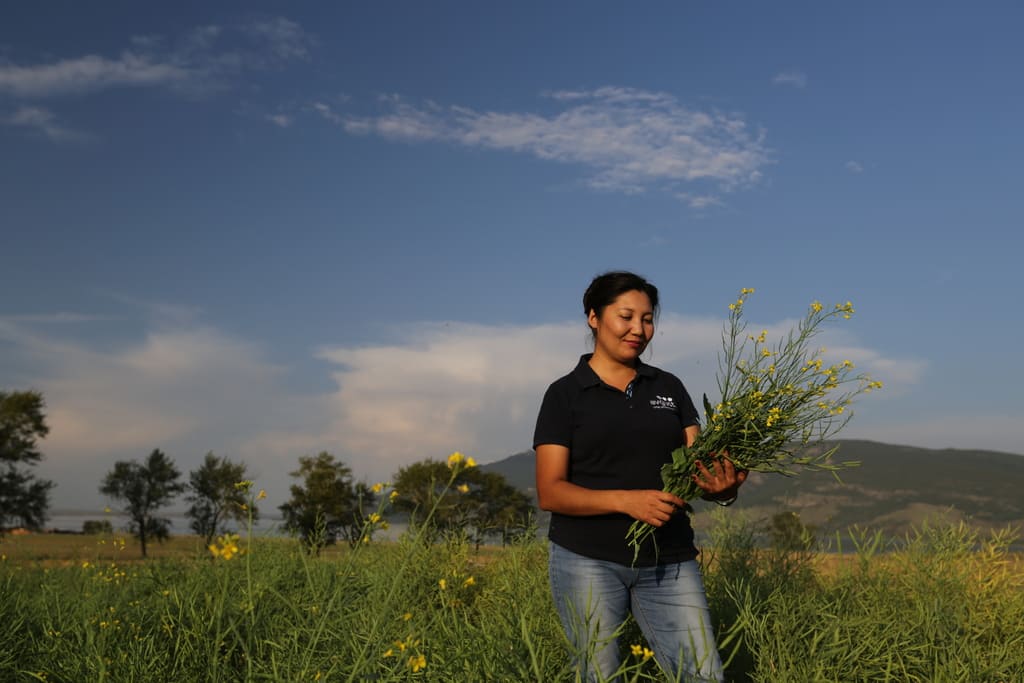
pixel 586 376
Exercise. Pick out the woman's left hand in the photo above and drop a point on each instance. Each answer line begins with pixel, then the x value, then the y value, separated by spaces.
pixel 722 477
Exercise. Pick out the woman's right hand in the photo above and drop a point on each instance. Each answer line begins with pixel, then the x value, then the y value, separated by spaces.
pixel 651 506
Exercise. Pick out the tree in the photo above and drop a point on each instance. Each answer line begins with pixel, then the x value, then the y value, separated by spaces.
pixel 463 500
pixel 500 508
pixel 327 505
pixel 145 489
pixel 788 532
pixel 215 498
pixel 95 527
pixel 428 492
pixel 24 498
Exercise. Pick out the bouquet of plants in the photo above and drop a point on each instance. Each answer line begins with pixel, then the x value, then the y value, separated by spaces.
pixel 777 402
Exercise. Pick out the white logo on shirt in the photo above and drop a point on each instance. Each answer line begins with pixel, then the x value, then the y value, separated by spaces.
pixel 663 402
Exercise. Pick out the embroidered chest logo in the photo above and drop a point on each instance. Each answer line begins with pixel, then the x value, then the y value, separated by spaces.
pixel 663 403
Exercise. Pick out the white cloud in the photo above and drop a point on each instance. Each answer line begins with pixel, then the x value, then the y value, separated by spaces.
pixel 44 121
pixel 699 201
pixel 196 60
pixel 631 140
pixel 280 120
pixel 854 167
pixel 285 38
pixel 163 388
pixel 188 388
pixel 86 74
pixel 797 79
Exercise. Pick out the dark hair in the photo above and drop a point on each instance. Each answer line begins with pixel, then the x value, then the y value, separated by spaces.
pixel 607 287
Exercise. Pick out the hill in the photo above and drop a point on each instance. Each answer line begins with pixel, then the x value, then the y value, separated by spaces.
pixel 893 489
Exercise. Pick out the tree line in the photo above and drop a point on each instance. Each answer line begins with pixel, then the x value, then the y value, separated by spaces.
pixel 326 503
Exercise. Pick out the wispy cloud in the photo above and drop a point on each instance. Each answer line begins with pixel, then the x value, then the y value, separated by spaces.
pixel 44 121
pixel 699 201
pixel 854 166
pixel 797 79
pixel 285 38
pixel 87 73
pixel 281 120
pixel 632 140
pixel 199 58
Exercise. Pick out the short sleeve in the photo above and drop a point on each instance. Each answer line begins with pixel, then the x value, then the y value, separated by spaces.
pixel 687 412
pixel 554 422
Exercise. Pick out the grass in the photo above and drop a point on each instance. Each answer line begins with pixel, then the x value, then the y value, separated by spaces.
pixel 943 604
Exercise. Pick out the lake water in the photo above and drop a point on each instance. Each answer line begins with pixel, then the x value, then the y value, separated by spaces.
pixel 71 522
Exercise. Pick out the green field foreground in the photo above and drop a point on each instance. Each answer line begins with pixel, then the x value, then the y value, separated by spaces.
pixel 944 604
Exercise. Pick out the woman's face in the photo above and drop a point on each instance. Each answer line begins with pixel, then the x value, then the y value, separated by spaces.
pixel 624 328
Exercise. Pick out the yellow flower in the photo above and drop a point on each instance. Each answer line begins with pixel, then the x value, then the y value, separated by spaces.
pixel 392 496
pixel 456 459
pixel 388 653
pixel 244 485
pixel 648 653
pixel 468 582
pixel 106 510
pixel 463 488
pixel 761 337
pixel 636 649
pixel 226 547
pixel 443 584
pixel 747 290
pixel 86 565
pixel 732 307
pixel 261 495
pixel 377 488
pixel 374 518
pixel 417 662
pixel 407 616
pixel 816 306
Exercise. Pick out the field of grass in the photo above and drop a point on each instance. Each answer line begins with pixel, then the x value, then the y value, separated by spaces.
pixel 948 605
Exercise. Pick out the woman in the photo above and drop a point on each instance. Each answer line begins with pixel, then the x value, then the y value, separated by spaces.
pixel 603 432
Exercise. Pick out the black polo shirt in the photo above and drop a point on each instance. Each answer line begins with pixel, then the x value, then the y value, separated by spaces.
pixel 617 440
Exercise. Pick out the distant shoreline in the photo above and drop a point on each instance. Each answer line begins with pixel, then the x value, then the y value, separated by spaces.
pixel 70 522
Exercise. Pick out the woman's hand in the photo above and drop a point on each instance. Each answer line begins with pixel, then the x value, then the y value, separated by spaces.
pixel 651 506
pixel 722 479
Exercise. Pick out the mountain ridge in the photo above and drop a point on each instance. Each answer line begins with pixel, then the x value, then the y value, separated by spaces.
pixel 894 489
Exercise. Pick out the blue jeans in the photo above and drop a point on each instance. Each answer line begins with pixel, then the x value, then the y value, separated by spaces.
pixel 594 598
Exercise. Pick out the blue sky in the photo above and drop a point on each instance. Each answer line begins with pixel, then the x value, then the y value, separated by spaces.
pixel 267 230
